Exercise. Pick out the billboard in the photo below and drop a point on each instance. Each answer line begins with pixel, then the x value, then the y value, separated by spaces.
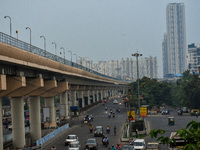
pixel 143 111
pixel 131 116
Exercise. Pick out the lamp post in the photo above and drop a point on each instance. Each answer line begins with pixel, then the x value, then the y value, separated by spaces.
pixel 30 36
pixel 55 49
pixel 10 24
pixel 71 56
pixel 137 55
pixel 44 43
pixel 63 53
pixel 17 34
pixel 76 57
pixel 81 60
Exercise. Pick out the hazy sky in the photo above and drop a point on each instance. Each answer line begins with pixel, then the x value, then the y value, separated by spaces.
pixel 98 29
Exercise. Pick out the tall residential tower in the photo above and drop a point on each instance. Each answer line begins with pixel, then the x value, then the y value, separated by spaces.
pixel 174 43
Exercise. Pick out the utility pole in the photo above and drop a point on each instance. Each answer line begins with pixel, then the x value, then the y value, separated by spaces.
pixel 137 55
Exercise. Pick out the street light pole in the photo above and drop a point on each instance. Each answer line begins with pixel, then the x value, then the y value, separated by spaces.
pixel 76 57
pixel 71 56
pixel 44 43
pixel 10 24
pixel 137 55
pixel 30 37
pixel 63 53
pixel 55 48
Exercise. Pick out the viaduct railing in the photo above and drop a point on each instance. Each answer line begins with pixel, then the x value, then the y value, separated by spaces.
pixel 4 38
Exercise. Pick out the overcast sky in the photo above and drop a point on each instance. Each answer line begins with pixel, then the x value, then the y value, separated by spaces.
pixel 98 29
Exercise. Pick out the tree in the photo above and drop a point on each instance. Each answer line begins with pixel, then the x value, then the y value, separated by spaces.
pixel 191 134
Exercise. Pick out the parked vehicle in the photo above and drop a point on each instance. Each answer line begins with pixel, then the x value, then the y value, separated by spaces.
pixel 115 101
pixel 70 138
pixel 98 131
pixel 91 144
pixel 185 109
pixel 153 146
pixel 74 146
pixel 139 144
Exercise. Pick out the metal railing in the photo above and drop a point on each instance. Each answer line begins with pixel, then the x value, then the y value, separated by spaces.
pixel 4 38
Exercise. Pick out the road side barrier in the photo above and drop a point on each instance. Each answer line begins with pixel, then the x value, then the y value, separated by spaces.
pixel 51 135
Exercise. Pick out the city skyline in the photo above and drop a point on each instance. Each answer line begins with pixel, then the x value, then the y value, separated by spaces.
pixel 101 30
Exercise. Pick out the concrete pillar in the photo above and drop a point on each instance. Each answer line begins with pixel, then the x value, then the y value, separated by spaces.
pixel 64 101
pixel 97 93
pixel 18 129
pixel 49 103
pixel 80 97
pixel 1 129
pixel 35 118
pixel 73 98
pixel 87 94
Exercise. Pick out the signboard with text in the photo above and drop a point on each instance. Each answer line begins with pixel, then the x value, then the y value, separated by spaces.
pixel 143 111
pixel 131 115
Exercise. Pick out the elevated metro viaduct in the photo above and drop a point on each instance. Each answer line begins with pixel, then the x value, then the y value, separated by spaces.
pixel 23 73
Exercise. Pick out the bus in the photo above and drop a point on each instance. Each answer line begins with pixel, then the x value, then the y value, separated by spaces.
pixel 179 142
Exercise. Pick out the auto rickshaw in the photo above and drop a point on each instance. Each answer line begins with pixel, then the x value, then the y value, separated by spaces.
pixel 171 121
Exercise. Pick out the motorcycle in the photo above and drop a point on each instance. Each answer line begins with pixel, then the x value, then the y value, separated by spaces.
pixel 108 130
pixel 113 115
pixel 115 132
pixel 91 129
pixel 105 142
pixel 109 115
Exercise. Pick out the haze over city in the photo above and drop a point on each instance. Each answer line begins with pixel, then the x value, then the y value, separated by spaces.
pixel 100 30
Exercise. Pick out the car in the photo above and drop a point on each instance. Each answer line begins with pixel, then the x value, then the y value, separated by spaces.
pixel 10 127
pixel 165 111
pixel 139 144
pixel 91 144
pixel 115 101
pixel 185 109
pixel 74 146
pixel 98 131
pixel 153 146
pixel 70 138
pixel 127 147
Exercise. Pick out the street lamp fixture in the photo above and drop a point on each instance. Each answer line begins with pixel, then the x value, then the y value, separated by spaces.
pixel 55 49
pixel 10 24
pixel 30 36
pixel 137 55
pixel 44 43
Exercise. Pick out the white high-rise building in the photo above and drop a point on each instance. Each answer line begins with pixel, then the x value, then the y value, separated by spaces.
pixel 174 43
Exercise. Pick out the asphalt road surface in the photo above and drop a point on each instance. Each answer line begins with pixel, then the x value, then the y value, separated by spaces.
pixel 160 121
pixel 100 119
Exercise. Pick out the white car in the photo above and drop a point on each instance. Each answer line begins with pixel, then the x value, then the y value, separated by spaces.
pixel 70 138
pixel 115 101
pixel 139 144
pixel 74 146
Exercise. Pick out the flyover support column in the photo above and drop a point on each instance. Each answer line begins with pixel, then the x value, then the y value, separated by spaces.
pixel 73 98
pixel 1 129
pixel 97 93
pixel 87 94
pixel 18 129
pixel 80 97
pixel 49 103
pixel 64 101
pixel 35 121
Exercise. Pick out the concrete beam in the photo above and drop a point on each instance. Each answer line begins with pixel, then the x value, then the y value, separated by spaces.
pixel 12 84
pixel 48 84
pixel 31 85
pixel 61 87
pixel 74 87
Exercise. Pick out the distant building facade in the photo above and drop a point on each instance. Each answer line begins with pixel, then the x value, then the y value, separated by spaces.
pixel 174 42
pixel 193 57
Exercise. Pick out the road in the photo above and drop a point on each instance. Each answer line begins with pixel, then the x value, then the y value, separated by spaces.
pixel 100 118
pixel 161 122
